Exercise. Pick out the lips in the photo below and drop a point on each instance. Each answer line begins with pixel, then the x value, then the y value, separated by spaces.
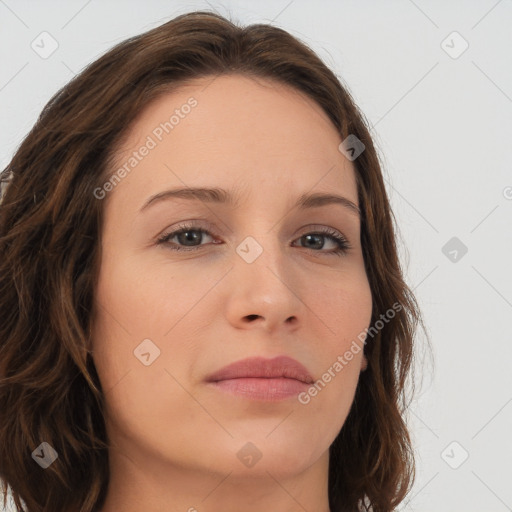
pixel 260 367
pixel 261 379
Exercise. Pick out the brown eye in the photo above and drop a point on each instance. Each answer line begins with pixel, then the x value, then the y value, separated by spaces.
pixel 188 238
pixel 315 241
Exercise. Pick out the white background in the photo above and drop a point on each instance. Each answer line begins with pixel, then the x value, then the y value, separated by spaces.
pixel 443 127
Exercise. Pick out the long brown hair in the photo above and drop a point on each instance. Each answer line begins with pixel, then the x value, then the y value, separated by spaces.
pixel 50 227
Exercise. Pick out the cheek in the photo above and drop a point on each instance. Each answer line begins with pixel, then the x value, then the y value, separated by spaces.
pixel 125 316
pixel 343 303
pixel 344 312
pixel 138 301
pixel 143 299
pixel 134 305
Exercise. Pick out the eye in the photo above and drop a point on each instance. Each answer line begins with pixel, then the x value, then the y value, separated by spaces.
pixel 316 241
pixel 189 238
pixel 188 235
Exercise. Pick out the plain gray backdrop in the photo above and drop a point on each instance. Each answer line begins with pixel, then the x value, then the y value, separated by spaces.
pixel 434 80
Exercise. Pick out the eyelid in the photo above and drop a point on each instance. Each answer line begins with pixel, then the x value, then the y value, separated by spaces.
pixel 207 226
pixel 343 243
pixel 189 224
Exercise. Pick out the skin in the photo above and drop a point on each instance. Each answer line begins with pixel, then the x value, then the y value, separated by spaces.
pixel 175 439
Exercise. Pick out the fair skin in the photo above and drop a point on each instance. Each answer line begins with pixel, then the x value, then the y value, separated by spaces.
pixel 174 439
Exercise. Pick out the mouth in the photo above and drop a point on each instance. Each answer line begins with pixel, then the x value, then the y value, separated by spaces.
pixel 259 378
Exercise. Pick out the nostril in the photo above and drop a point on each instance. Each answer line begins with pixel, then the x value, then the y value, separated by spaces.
pixel 252 317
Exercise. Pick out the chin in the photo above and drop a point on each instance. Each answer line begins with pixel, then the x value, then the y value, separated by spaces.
pixel 259 455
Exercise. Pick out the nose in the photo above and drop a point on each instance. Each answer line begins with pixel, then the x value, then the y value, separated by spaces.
pixel 264 294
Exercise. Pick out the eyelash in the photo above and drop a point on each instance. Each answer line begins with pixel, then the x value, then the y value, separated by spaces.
pixel 341 241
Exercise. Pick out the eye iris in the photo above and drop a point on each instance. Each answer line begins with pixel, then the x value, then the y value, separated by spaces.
pixel 318 238
pixel 184 239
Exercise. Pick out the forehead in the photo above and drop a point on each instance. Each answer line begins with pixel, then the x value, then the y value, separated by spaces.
pixel 234 131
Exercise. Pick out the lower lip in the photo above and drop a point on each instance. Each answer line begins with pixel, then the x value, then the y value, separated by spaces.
pixel 269 390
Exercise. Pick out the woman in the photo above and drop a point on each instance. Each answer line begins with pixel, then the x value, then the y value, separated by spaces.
pixel 202 303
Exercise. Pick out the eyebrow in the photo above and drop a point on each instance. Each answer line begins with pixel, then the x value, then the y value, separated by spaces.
pixel 221 196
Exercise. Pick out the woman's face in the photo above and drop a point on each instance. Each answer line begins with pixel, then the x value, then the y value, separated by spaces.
pixel 255 278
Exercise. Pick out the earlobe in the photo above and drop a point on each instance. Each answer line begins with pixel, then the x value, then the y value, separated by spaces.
pixel 364 363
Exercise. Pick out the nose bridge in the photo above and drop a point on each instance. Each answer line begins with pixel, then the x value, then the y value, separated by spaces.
pixel 262 281
pixel 262 252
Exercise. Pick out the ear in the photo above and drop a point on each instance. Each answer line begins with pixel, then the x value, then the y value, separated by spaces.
pixel 364 363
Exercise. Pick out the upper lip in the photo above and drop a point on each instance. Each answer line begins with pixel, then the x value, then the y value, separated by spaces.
pixel 261 367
